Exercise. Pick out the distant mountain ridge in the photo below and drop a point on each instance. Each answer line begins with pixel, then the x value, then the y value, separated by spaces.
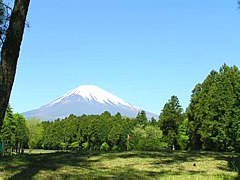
pixel 86 99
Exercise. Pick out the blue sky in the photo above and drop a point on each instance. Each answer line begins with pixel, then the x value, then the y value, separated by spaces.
pixel 141 51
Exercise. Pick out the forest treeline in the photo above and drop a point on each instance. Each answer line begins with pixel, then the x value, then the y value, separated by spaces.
pixel 211 122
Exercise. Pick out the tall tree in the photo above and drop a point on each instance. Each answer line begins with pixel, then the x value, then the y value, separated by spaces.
pixel 169 121
pixel 21 132
pixel 10 52
pixel 213 113
pixel 142 118
pixel 14 132
pixel 35 129
pixel 8 131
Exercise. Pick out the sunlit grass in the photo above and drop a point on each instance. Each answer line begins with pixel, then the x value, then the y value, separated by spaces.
pixel 133 164
pixel 38 151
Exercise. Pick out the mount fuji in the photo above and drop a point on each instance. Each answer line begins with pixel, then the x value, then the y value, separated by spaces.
pixel 86 99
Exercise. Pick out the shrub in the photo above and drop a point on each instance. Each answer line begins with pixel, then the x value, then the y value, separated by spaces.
pixel 63 145
pixel 74 145
pixel 85 145
pixel 104 146
pixel 114 148
pixel 147 138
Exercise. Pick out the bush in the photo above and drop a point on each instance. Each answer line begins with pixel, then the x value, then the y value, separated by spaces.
pixel 85 145
pixel 104 146
pixel 147 138
pixel 114 148
pixel 63 145
pixel 183 138
pixel 183 141
pixel 74 145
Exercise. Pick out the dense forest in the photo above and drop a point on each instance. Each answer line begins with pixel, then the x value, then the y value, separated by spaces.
pixel 211 122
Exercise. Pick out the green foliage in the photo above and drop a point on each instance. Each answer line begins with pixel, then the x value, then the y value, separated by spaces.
pixel 14 132
pixel 169 121
pixel 8 131
pixel 74 145
pixel 102 127
pixel 214 113
pixel 114 148
pixel 53 135
pixel 141 117
pixel 85 145
pixel 147 138
pixel 116 133
pixel 94 132
pixel 63 145
pixel 35 129
pixel 183 138
pixel 211 122
pixel 105 146
pixel 153 122
pixel 21 131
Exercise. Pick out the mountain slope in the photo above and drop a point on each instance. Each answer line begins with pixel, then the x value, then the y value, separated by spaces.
pixel 87 99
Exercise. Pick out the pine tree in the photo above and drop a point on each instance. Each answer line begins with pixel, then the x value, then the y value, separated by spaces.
pixel 213 112
pixel 21 132
pixel 8 131
pixel 169 121
pixel 142 118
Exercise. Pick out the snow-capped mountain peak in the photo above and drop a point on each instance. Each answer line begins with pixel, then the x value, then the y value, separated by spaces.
pixel 86 99
pixel 92 93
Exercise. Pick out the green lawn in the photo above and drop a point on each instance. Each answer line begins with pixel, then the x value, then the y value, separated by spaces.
pixel 133 164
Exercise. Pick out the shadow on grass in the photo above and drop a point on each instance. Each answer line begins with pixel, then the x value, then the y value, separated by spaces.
pixel 91 164
pixel 31 164
pixel 168 157
pixel 233 164
pixel 178 157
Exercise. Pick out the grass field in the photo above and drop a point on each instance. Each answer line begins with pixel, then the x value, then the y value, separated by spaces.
pixel 133 164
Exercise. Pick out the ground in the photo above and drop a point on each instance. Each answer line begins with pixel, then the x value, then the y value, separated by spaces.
pixel 132 164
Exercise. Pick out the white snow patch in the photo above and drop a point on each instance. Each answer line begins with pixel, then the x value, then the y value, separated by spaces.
pixel 93 93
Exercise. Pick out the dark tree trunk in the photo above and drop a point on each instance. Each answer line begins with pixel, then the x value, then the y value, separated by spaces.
pixel 10 53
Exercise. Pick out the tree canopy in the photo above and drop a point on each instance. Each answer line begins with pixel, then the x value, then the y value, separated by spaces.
pixel 214 111
pixel 14 132
pixel 169 121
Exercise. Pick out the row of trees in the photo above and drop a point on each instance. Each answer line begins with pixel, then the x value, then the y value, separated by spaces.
pixel 212 119
pixel 14 133
pixel 99 132
pixel 211 122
